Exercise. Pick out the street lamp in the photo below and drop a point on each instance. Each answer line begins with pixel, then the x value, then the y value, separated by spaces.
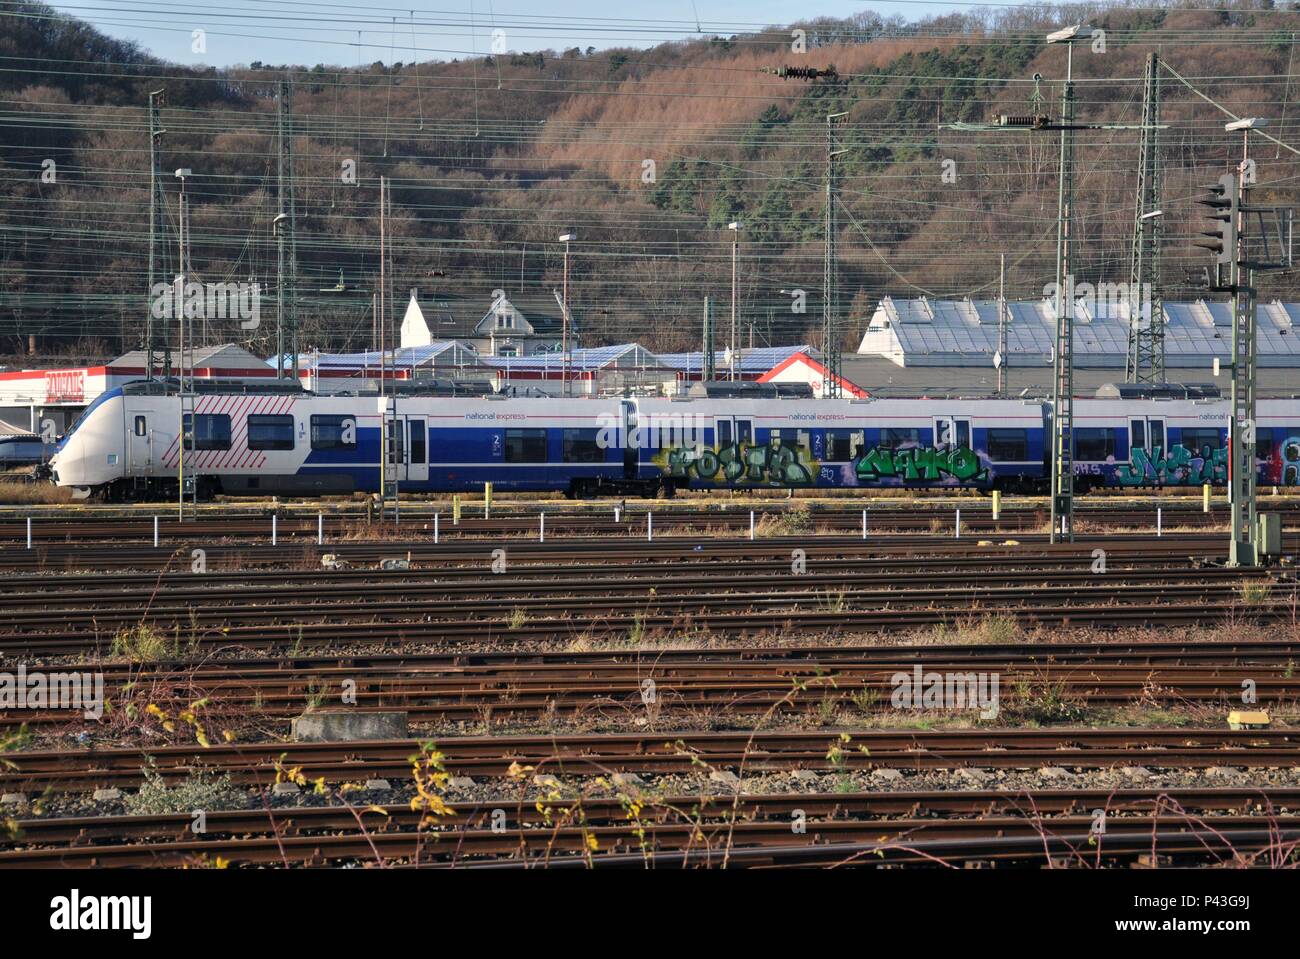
pixel 566 239
pixel 181 174
pixel 734 227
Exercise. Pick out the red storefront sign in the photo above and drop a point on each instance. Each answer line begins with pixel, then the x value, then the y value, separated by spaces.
pixel 65 386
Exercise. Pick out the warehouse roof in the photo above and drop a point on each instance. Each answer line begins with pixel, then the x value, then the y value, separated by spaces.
pixel 928 332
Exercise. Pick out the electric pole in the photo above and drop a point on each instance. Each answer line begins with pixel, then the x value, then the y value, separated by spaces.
pixel 1238 255
pixel 1146 343
pixel 287 258
pixel 156 345
pixel 1062 515
pixel 1000 357
pixel 830 268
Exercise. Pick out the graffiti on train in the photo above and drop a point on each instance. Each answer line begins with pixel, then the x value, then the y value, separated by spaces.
pixel 1288 466
pixel 745 463
pixel 931 464
pixel 1177 466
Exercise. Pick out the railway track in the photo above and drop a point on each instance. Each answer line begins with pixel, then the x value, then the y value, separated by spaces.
pixel 739 686
pixel 661 753
pixel 418 547
pixel 707 827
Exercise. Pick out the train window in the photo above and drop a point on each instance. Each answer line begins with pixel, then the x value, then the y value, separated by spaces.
pixel 894 438
pixel 1094 443
pixel 525 446
pixel 333 432
pixel 417 441
pixel 1264 444
pixel 1008 446
pixel 796 439
pixel 843 445
pixel 1137 434
pixel 1195 440
pixel 140 426
pixel 1157 430
pixel 207 431
pixel 745 431
pixel 581 446
pixel 722 435
pixel 267 432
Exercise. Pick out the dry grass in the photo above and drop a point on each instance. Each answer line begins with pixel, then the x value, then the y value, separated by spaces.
pixel 991 628
pixel 19 493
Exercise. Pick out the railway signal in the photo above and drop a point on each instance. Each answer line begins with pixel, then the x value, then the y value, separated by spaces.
pixel 1224 203
pixel 1238 255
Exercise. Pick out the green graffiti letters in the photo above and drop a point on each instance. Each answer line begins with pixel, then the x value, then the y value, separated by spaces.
pixel 1177 467
pixel 739 463
pixel 921 463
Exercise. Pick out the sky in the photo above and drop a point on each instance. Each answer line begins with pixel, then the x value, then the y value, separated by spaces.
pixel 307 32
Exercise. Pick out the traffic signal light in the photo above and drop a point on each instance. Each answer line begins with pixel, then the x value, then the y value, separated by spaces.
pixel 1224 208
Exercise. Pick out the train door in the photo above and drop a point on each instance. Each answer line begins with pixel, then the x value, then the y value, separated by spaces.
pixel 397 461
pixel 951 432
pixel 417 459
pixel 631 440
pixel 140 443
pixel 1146 433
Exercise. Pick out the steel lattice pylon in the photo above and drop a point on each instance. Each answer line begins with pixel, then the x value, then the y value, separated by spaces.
pixel 1146 344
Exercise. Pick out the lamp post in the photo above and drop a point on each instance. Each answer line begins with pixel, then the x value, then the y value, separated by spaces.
pixel 181 174
pixel 1062 449
pixel 566 239
pixel 734 227
pixel 1062 513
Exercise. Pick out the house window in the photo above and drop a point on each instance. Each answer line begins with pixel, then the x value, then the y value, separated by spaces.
pixel 505 320
pixel 507 351
pixel 270 432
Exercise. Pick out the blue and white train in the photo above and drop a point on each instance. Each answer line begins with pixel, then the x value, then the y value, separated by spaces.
pixel 261 441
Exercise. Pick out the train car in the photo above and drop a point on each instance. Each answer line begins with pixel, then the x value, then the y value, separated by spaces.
pixel 23 449
pixel 745 443
pixel 1160 443
pixel 261 440
pixel 267 439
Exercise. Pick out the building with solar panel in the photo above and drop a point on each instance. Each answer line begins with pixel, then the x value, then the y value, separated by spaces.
pixel 927 332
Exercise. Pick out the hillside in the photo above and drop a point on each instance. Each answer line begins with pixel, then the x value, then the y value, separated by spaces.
pixel 491 158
